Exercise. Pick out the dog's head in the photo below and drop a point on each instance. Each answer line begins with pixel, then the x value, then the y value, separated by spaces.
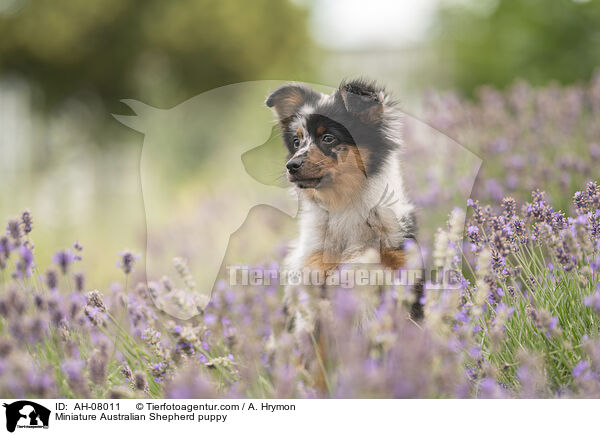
pixel 336 141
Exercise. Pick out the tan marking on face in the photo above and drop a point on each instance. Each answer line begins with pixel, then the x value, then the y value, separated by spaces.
pixel 316 164
pixel 348 177
pixel 300 133
pixel 393 258
pixel 316 158
pixel 320 130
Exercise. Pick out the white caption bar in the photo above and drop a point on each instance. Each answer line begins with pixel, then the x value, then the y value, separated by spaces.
pixel 296 416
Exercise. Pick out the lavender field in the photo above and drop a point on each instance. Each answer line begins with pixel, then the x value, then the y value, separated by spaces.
pixel 525 322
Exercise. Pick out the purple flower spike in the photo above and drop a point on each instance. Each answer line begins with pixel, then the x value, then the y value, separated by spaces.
pixel 25 264
pixel 127 261
pixel 64 259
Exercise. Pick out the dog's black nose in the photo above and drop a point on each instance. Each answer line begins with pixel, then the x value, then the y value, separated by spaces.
pixel 294 164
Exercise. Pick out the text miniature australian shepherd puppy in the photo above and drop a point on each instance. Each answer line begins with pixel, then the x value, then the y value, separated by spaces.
pixel 344 160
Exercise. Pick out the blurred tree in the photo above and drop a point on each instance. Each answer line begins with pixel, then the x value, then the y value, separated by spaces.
pixel 496 41
pixel 150 49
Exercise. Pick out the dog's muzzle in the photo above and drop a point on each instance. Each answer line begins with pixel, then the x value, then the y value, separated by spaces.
pixel 294 165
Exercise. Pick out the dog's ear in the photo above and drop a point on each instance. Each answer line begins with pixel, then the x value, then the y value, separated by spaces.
pixel 363 99
pixel 287 99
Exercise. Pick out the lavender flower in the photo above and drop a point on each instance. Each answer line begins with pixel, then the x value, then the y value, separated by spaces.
pixel 79 279
pixel 95 299
pixel 478 215
pixel 5 248
pixel 593 196
pixel 126 372
pixel 95 310
pixel 13 229
pixel 127 261
pixel 593 301
pixel 64 259
pixel 159 371
pixel 97 366
pixel 509 205
pixel 51 279
pixel 139 381
pixel 580 202
pixel 73 369
pixel 27 222
pixel 25 263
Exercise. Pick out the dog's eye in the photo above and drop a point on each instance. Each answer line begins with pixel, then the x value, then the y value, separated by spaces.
pixel 296 142
pixel 328 139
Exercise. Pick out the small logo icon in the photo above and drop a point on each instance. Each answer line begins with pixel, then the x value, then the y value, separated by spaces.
pixel 26 414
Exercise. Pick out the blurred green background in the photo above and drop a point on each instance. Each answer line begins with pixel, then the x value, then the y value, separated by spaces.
pixel 66 64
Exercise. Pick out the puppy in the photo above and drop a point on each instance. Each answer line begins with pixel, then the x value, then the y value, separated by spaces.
pixel 344 162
